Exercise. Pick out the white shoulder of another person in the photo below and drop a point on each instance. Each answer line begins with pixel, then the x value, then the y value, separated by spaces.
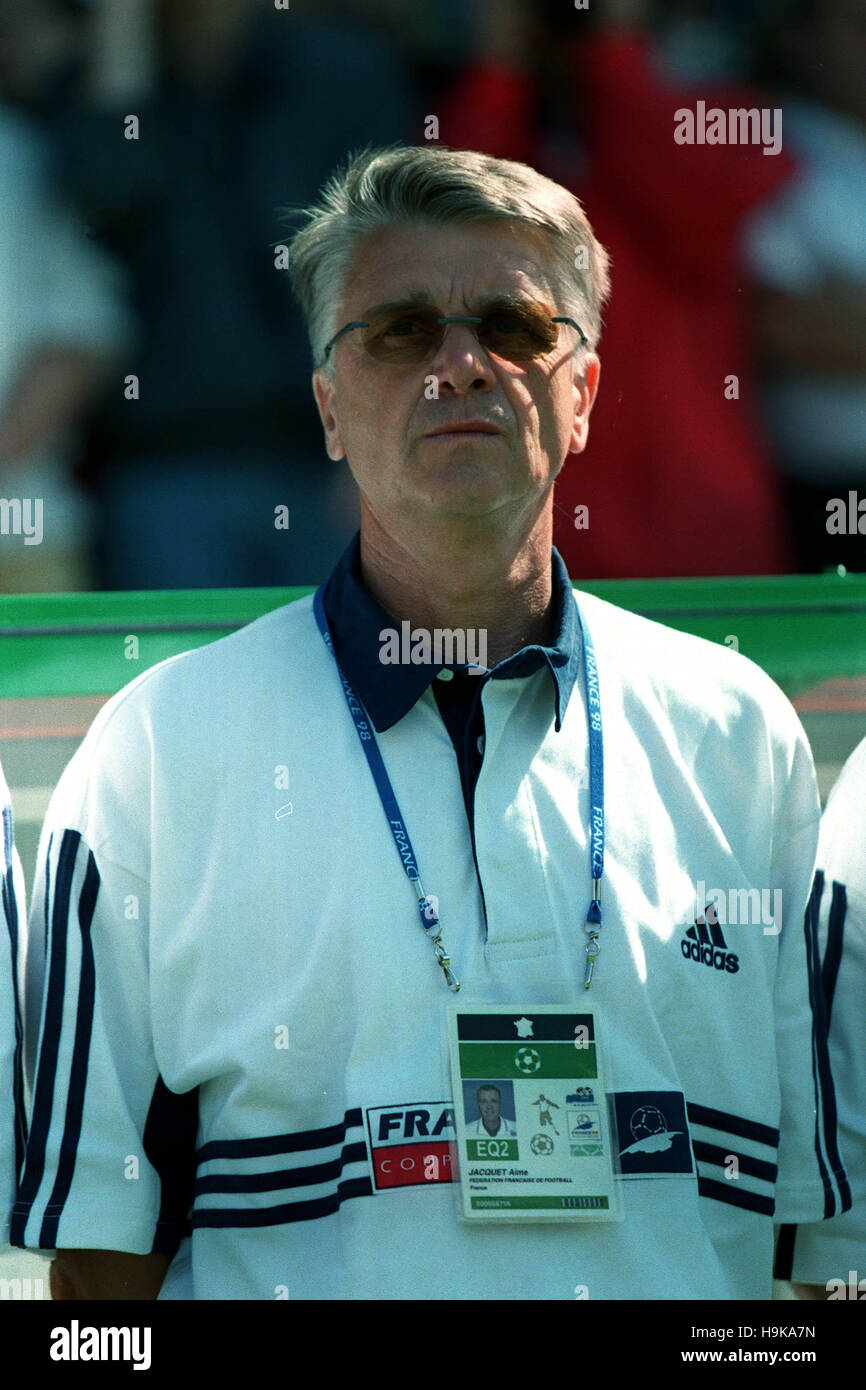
pixel 843 830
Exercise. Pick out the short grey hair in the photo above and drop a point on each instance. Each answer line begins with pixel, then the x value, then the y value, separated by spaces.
pixel 431 183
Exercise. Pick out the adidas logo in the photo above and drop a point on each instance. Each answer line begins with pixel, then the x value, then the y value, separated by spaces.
pixel 705 943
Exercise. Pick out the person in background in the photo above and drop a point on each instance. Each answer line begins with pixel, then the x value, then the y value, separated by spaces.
pixel 678 479
pixel 807 251
pixel 63 322
pixel 240 110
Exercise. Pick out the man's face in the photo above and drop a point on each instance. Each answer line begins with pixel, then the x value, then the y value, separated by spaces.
pixel 379 417
pixel 489 1105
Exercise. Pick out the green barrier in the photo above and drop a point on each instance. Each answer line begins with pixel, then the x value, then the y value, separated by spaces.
pixel 801 630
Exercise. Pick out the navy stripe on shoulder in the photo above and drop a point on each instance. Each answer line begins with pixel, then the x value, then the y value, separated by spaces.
pixel 732 1124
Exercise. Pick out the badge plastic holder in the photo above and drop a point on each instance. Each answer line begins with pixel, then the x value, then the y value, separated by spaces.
pixel 535 1134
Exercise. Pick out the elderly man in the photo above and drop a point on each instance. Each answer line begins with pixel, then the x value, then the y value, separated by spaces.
pixel 239 1087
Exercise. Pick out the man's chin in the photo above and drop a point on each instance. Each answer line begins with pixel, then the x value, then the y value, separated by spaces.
pixel 464 496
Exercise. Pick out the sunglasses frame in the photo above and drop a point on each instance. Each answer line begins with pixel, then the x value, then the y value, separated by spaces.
pixel 450 318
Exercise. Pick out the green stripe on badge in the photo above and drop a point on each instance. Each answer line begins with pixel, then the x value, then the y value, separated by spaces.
pixel 527 1061
pixel 600 1203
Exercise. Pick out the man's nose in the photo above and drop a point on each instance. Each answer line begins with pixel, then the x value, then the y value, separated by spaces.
pixel 460 363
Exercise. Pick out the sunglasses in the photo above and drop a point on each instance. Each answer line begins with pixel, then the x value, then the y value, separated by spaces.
pixel 519 332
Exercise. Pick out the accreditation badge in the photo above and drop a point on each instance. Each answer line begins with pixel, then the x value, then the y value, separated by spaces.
pixel 534 1134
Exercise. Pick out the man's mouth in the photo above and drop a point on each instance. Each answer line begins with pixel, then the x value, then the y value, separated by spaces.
pixel 463 427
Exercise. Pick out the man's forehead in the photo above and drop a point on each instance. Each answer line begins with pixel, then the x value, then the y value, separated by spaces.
pixel 430 263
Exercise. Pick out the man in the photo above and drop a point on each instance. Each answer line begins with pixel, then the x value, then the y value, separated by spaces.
pixel 243 1021
pixel 491 1123
pixel 825 1255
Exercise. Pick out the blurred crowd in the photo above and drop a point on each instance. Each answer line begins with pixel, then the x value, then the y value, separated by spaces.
pixel 154 369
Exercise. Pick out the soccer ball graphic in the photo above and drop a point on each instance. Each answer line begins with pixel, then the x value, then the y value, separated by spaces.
pixel 527 1060
pixel 647 1121
pixel 542 1144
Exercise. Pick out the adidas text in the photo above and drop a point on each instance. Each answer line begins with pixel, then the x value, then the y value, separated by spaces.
pixel 710 955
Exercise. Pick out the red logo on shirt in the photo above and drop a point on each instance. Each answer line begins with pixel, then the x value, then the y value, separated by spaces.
pixel 411 1145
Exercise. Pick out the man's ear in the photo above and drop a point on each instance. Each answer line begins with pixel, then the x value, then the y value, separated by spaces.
pixel 585 390
pixel 325 394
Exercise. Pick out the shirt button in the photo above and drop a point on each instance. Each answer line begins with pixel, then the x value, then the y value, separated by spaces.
pixel 446 674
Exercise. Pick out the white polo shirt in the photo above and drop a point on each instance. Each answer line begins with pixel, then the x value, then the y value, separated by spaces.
pixel 834 1248
pixel 11 1072
pixel 229 917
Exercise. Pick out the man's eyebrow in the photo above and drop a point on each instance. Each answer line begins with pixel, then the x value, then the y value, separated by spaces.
pixel 414 299
pixel 510 301
pixel 423 299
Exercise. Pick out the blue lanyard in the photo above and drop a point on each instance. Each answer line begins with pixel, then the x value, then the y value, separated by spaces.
pixel 426 905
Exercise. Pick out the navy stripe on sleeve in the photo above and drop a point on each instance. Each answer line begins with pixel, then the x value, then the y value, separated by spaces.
pixel 822 1076
pixel 57 914
pixel 80 1055
pixel 10 910
pixel 833 954
pixel 816 1003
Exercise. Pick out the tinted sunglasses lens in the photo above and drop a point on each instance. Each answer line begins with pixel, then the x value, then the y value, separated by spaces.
pixel 406 337
pixel 519 334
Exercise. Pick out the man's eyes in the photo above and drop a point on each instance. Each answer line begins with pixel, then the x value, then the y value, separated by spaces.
pixel 407 327
pixel 505 323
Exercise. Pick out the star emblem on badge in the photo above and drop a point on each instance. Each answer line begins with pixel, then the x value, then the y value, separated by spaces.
pixel 524 1027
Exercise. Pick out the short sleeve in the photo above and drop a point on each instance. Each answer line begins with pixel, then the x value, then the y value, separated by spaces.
pixel 830 1249
pixel 811 1182
pixel 110 1150
pixel 12 1118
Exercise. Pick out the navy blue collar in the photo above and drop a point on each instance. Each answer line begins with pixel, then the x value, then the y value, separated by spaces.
pixel 388 692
